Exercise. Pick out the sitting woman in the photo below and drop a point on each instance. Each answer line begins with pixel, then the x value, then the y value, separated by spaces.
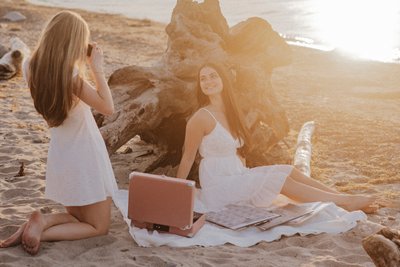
pixel 217 131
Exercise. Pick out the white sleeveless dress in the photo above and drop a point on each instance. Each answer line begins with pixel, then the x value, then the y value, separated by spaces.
pixel 79 171
pixel 225 180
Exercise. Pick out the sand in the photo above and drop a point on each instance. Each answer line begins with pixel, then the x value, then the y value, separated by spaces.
pixel 355 105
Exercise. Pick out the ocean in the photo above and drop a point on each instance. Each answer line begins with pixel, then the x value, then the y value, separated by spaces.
pixel 364 29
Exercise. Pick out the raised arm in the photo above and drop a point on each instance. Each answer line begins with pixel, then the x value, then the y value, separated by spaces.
pixel 195 130
pixel 100 97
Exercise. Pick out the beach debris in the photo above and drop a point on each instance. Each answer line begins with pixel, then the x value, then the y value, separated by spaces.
pixel 302 156
pixel 37 141
pixel 14 16
pixel 144 153
pixel 15 29
pixel 10 179
pixel 127 150
pixel 11 61
pixel 21 171
pixel 155 102
pixel 46 210
pixel 384 247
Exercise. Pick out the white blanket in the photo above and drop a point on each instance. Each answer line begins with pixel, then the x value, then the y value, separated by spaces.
pixel 329 219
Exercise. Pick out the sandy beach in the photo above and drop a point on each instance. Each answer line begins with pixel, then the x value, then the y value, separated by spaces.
pixel 355 105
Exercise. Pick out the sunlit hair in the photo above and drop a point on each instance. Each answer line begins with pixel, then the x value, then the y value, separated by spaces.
pixel 61 47
pixel 232 111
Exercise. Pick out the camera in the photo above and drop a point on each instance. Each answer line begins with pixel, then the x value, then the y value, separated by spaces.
pixel 89 50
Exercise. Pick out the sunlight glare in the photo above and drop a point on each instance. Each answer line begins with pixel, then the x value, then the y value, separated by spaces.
pixel 363 28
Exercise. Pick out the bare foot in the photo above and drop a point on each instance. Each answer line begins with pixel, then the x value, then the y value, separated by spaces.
pixel 381 203
pixel 371 209
pixel 360 202
pixel 14 239
pixel 388 203
pixel 32 233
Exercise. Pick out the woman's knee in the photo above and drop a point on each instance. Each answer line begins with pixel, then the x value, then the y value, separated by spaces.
pixel 105 230
pixel 97 215
pixel 99 231
pixel 100 223
pixel 103 227
pixel 99 228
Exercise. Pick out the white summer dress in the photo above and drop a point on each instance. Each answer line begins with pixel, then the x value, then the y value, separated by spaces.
pixel 225 180
pixel 79 171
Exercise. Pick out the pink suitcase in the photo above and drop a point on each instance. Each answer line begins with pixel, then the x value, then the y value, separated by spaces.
pixel 162 203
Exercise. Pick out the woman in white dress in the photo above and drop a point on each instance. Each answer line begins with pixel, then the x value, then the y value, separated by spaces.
pixel 79 173
pixel 216 130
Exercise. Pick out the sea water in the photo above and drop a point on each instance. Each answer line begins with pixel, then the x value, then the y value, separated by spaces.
pixel 367 29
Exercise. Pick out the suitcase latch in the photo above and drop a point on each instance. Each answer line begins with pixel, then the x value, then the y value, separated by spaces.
pixel 160 227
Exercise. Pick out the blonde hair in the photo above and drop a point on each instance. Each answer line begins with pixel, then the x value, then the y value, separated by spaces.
pixel 62 45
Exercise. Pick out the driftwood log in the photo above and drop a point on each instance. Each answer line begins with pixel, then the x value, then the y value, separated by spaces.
pixel 3 50
pixel 302 156
pixel 11 60
pixel 155 102
pixel 384 247
pixel 14 16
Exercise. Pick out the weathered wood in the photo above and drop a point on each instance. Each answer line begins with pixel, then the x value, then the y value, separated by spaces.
pixel 384 247
pixel 3 50
pixel 155 102
pixel 151 106
pixel 302 156
pixel 10 62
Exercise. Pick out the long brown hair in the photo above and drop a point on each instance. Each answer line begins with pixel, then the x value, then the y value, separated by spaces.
pixel 232 112
pixel 61 46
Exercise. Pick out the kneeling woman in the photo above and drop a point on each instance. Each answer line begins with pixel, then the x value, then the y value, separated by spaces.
pixel 79 174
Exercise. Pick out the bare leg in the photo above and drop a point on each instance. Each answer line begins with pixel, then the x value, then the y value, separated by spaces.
pixel 93 220
pixel 51 219
pixel 298 176
pixel 305 193
pixel 80 222
pixel 37 224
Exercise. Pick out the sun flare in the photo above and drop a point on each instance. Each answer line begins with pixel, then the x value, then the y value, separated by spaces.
pixel 361 28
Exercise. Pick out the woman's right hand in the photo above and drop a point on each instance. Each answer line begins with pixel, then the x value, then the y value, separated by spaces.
pixel 95 60
pixel 98 97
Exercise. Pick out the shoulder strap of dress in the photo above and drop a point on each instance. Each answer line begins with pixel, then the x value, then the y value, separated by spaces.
pixel 209 112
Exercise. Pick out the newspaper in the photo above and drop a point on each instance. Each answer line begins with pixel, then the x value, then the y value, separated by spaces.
pixel 237 217
pixel 290 213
